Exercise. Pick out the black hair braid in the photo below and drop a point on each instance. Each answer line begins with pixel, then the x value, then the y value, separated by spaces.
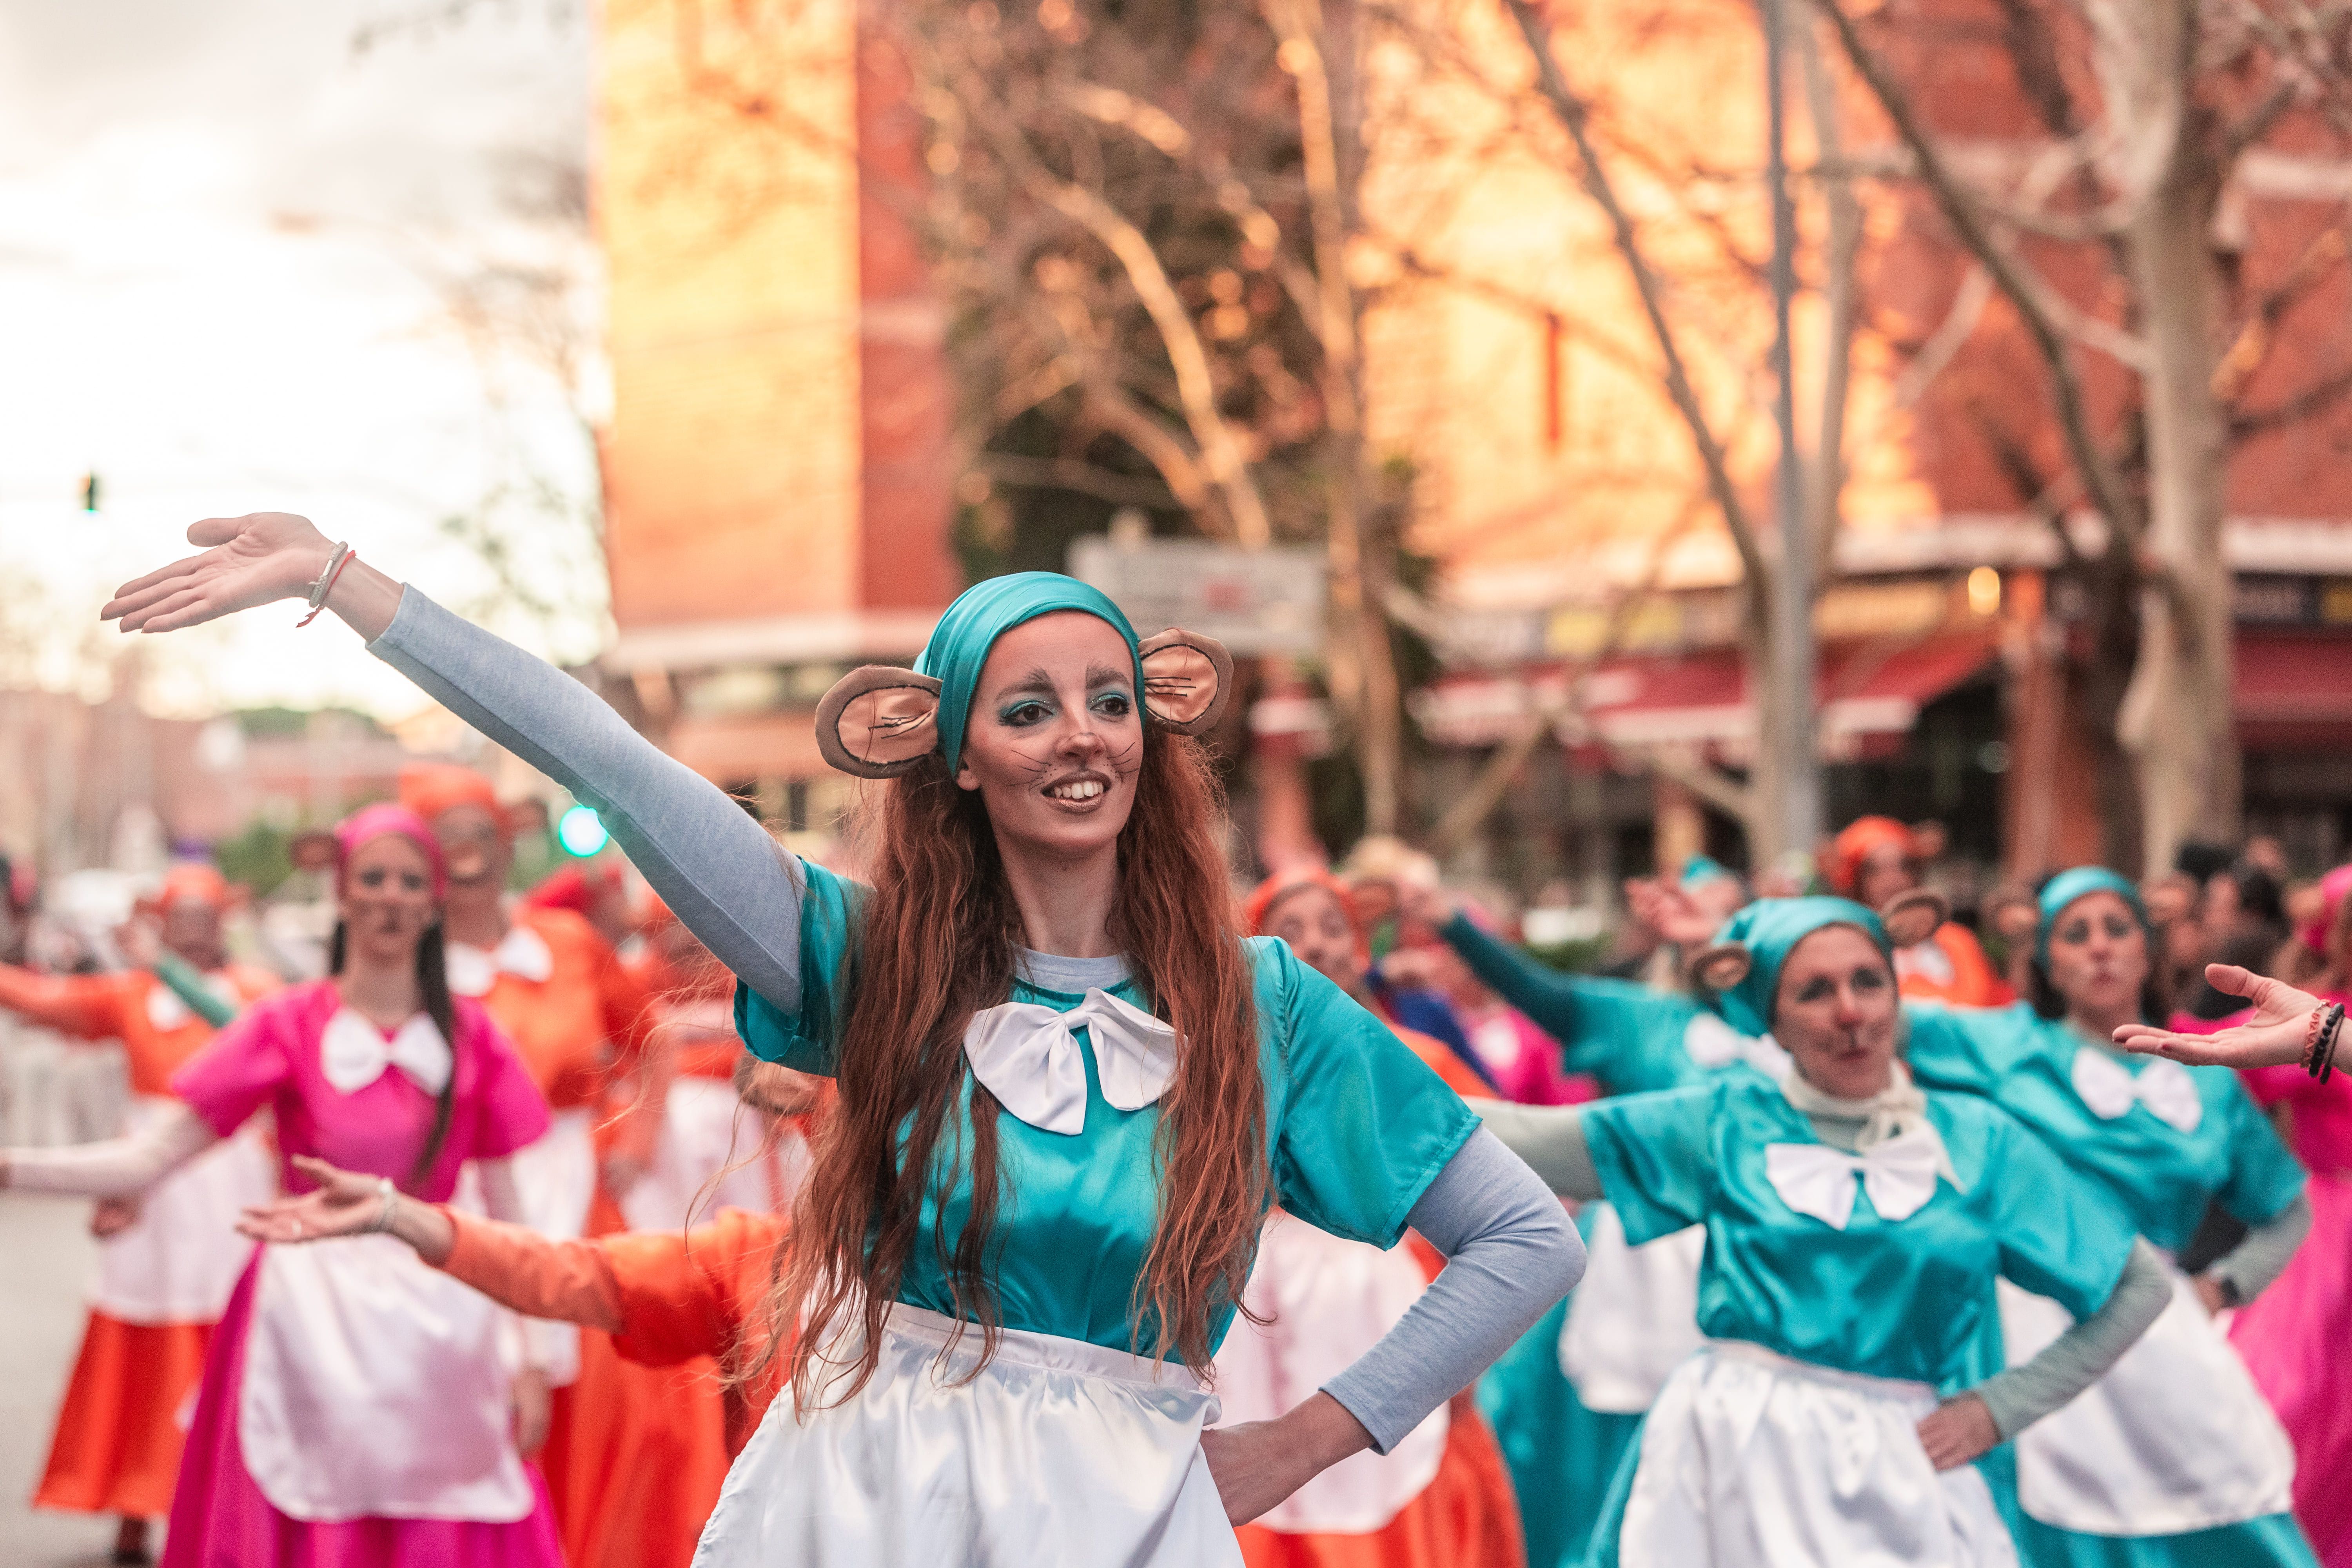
pixel 433 980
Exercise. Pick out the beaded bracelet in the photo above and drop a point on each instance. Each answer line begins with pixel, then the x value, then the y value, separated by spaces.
pixel 2322 1063
pixel 2311 1038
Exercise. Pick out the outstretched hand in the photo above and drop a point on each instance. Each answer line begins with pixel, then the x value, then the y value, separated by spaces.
pixel 253 560
pixel 2274 1036
pixel 345 1202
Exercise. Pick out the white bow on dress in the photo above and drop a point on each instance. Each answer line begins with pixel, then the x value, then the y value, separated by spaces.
pixel 1817 1180
pixel 2111 1089
pixel 522 952
pixel 353 1053
pixel 1710 1042
pixel 1027 1055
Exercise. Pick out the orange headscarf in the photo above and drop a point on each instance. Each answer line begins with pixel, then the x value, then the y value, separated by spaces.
pixel 428 789
pixel 195 883
pixel 1259 907
pixel 1863 837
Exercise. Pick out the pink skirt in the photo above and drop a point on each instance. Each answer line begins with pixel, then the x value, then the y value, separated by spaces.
pixel 220 1519
pixel 2292 1337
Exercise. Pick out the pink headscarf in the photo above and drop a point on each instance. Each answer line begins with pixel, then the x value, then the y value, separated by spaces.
pixel 372 822
pixel 2332 889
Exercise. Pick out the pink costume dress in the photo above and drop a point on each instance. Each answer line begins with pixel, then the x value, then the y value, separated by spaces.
pixel 2293 1335
pixel 355 1408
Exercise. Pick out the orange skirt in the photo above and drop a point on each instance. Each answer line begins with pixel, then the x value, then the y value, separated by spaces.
pixel 635 1457
pixel 117 1448
pixel 1465 1518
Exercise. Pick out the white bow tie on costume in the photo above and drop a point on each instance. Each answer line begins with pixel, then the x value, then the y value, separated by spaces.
pixel 1817 1180
pixel 1712 1043
pixel 2111 1089
pixel 353 1053
pixel 522 952
pixel 1027 1055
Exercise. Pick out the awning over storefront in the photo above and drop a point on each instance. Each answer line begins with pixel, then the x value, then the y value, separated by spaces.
pixel 1869 692
pixel 2292 690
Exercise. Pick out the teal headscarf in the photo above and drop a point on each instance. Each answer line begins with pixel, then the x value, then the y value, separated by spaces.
pixel 986 611
pixel 1705 868
pixel 1770 929
pixel 2068 885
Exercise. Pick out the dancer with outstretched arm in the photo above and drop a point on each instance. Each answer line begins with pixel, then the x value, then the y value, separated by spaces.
pixel 1069 1091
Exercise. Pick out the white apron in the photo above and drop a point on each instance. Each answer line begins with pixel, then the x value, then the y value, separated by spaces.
pixel 555 1181
pixel 1058 1454
pixel 1752 1460
pixel 2175 1437
pixel 180 1260
pixel 1633 1316
pixel 374 1389
pixel 1331 1300
pixel 704 1161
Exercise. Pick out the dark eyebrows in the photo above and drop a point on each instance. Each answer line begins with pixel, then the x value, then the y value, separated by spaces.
pixel 1101 675
pixel 1038 682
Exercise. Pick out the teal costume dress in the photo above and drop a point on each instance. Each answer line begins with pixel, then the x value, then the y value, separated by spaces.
pixel 2171 1138
pixel 1563 1453
pixel 1788 1438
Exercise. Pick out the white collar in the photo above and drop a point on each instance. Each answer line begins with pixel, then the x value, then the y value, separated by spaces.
pixel 353 1053
pixel 522 952
pixel 2110 1090
pixel 1027 1055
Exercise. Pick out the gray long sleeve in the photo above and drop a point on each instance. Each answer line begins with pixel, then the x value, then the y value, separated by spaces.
pixel 1510 1253
pixel 2078 1358
pixel 2267 1250
pixel 1550 1138
pixel 721 874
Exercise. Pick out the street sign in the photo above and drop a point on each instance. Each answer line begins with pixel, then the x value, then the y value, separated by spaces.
pixel 1254 601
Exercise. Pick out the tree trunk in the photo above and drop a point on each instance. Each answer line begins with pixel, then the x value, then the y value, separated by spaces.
pixel 2176 716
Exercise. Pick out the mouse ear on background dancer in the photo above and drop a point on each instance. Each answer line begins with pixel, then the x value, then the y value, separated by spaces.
pixel 1911 917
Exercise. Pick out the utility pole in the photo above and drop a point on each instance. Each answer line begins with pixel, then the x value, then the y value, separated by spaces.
pixel 1796 805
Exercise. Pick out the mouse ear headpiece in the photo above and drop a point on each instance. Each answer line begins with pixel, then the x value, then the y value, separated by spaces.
pixel 1186 680
pixel 1912 918
pixel 1721 967
pixel 878 721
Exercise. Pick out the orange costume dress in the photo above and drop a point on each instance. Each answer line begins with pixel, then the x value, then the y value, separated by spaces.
pixel 1441 1498
pixel 164 1280
pixel 634 1453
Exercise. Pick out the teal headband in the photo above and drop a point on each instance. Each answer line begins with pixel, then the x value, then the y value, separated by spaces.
pixel 985 612
pixel 1704 868
pixel 1767 931
pixel 2068 887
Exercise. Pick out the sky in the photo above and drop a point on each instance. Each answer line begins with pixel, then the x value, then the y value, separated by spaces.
pixel 230 237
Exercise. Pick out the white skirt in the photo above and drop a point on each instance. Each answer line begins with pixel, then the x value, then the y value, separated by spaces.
pixel 1633 1317
pixel 374 1389
pixel 1329 1301
pixel 1058 1454
pixel 555 1181
pixel 2175 1437
pixel 1752 1460
pixel 180 1260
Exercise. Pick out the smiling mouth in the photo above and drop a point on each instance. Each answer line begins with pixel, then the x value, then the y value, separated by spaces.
pixel 1077 791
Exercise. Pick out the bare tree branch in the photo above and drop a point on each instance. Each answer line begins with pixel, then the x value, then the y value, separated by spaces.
pixel 1961 211
pixel 1575 117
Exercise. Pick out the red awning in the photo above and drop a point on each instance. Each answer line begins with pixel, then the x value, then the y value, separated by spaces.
pixel 1870 694
pixel 2293 690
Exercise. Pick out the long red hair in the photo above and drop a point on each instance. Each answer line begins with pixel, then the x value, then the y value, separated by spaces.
pixel 934 944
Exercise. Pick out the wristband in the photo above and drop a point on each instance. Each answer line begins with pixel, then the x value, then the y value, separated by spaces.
pixel 337 559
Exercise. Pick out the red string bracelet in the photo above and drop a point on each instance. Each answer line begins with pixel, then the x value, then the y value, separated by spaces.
pixel 327 585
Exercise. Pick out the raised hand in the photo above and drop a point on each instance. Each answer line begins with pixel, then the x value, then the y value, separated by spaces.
pixel 253 560
pixel 2274 1036
pixel 343 1204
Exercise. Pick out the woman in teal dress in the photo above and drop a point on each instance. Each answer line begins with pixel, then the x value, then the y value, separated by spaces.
pixel 2173 1458
pixel 1567 1399
pixel 1850 1222
pixel 1069 1089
